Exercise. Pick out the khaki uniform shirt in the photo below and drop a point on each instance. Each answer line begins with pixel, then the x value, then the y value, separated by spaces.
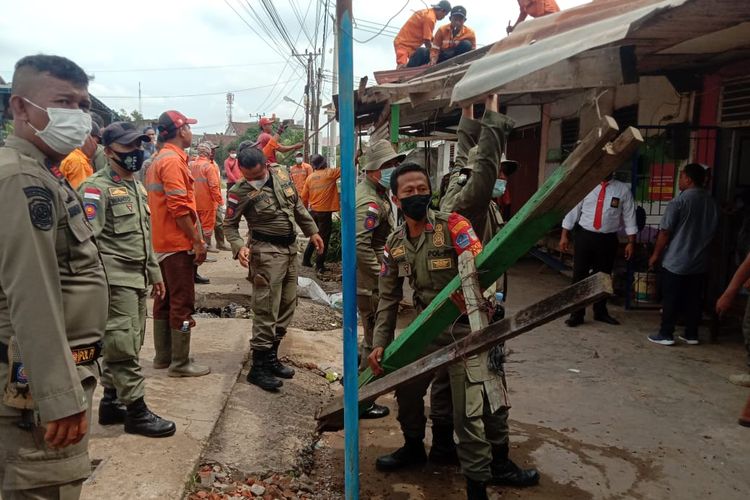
pixel 271 210
pixel 118 212
pixel 53 289
pixel 374 224
pixel 429 262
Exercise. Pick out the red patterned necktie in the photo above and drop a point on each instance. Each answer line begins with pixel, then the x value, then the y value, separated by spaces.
pixel 600 206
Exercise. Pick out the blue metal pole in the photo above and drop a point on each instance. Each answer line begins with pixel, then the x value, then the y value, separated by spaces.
pixel 348 247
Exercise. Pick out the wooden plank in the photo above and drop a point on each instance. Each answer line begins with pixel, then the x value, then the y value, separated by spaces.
pixel 570 299
pixel 580 173
pixel 473 297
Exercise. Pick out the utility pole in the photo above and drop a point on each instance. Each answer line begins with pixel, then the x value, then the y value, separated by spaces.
pixel 230 102
pixel 334 125
pixel 348 247
pixel 312 105
pixel 307 107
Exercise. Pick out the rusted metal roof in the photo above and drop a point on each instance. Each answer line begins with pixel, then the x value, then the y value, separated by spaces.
pixel 664 34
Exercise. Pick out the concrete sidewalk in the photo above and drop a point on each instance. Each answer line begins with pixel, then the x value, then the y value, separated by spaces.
pixel 138 467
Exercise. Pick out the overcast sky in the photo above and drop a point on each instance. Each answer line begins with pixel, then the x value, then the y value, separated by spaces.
pixel 179 48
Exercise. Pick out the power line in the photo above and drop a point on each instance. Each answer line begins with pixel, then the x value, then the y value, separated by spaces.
pixel 186 95
pixel 185 68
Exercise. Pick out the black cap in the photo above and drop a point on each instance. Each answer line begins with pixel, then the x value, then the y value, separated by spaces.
pixel 458 10
pixel 443 4
pixel 122 133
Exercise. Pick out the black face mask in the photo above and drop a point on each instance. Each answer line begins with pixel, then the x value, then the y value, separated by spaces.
pixel 132 161
pixel 415 207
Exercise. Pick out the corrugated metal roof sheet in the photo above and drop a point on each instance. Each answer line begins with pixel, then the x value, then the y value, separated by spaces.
pixel 650 25
pixel 561 37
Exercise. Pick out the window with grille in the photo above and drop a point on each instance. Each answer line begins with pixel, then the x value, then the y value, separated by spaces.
pixel 735 101
pixel 569 131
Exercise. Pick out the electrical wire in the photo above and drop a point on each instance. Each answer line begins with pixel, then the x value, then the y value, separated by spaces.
pixel 185 68
pixel 186 95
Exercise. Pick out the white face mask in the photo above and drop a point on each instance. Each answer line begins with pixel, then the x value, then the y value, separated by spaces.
pixel 233 156
pixel 260 182
pixel 298 160
pixel 67 128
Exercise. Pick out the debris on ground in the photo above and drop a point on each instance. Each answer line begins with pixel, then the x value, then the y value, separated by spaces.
pixel 215 481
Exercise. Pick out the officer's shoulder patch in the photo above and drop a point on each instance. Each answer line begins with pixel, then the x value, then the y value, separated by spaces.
pixel 90 209
pixel 233 199
pixel 40 207
pixel 373 208
pixel 289 191
pixel 398 251
pixel 371 222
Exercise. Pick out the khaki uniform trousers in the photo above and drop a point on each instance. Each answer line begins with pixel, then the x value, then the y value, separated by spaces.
pixel 274 278
pixel 123 339
pixel 29 470
pixel 368 308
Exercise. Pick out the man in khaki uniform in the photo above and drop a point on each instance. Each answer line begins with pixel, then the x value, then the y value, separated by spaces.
pixel 53 290
pixel 269 202
pixel 116 205
pixel 425 249
pixel 374 223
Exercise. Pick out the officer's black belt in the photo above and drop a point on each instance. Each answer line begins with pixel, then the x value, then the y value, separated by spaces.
pixel 274 239
pixel 82 355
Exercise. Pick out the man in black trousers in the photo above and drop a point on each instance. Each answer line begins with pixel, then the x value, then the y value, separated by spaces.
pixel 597 219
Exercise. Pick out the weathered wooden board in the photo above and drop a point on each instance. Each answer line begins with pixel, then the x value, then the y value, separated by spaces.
pixel 589 163
pixel 571 298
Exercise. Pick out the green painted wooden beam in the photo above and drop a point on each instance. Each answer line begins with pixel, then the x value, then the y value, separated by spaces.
pixel 592 160
pixel 395 122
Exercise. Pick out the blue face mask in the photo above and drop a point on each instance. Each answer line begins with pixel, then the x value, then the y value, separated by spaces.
pixel 499 188
pixel 385 177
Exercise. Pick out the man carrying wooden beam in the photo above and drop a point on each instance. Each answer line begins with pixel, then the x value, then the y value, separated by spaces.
pixel 425 249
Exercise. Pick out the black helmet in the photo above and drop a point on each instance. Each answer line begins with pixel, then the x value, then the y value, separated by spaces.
pixel 458 10
pixel 443 5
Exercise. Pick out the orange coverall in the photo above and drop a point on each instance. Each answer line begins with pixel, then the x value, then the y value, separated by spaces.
pixel 416 31
pixel 76 167
pixel 170 195
pixel 207 193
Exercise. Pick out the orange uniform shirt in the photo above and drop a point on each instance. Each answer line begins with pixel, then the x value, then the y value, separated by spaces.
pixel 269 150
pixel 320 192
pixel 170 195
pixel 76 168
pixel 417 30
pixel 207 187
pixel 444 38
pixel 538 8
pixel 299 174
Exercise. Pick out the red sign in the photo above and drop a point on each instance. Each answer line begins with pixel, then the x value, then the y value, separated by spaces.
pixel 661 185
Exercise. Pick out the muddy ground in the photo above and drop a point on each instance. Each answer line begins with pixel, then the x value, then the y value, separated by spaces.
pixel 601 412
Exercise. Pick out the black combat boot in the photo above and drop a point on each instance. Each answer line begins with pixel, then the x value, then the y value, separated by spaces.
pixel 198 279
pixel 475 490
pixel 443 451
pixel 277 368
pixel 111 411
pixel 140 420
pixel 260 374
pixel 411 453
pixel 375 410
pixel 506 473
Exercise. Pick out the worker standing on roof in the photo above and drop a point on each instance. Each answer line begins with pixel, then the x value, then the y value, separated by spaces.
pixel 533 8
pixel 452 39
pixel 416 32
